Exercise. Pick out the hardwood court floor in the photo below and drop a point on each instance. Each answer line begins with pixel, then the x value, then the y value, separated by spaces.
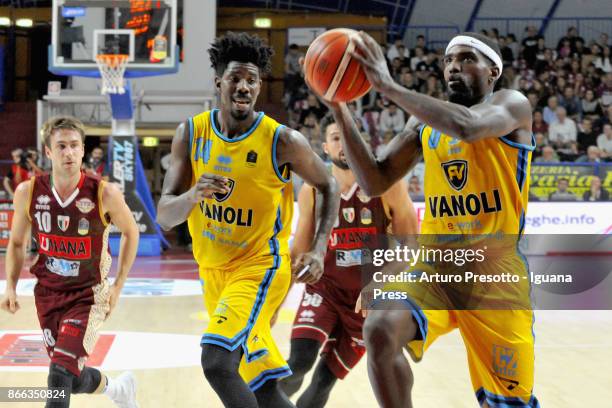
pixel 573 354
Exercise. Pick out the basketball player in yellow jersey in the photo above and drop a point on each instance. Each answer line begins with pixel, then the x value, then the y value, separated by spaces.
pixel 230 178
pixel 477 149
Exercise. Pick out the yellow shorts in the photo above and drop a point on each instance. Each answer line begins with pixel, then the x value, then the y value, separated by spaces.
pixel 240 304
pixel 499 343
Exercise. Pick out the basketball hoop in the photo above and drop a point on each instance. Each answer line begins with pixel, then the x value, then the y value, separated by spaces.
pixel 112 67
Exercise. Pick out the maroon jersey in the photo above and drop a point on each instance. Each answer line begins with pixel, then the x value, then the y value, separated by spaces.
pixel 72 235
pixel 361 228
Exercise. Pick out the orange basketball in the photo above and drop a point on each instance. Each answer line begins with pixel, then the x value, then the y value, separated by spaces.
pixel 331 71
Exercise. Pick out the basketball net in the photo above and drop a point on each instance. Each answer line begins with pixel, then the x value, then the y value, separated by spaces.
pixel 112 68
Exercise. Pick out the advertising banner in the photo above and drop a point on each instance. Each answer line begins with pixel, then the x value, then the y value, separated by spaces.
pixel 544 178
pixel 6 217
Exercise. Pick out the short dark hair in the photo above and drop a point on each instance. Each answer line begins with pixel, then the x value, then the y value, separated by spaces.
pixel 240 47
pixel 488 41
pixel 325 122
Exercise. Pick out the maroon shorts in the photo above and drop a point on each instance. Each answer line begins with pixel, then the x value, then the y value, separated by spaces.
pixel 71 322
pixel 335 324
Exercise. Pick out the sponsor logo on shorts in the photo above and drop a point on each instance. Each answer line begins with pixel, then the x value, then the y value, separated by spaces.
pixel 70 330
pixel 85 205
pixel 65 247
pixel 221 311
pixel 307 316
pixel 63 221
pixel 63 267
pixel 505 361
pixel 510 384
pixel 76 322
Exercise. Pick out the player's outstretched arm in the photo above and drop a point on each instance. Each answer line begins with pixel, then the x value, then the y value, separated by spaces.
pixel 293 149
pixel 120 214
pixel 506 111
pixel 376 175
pixel 18 240
pixel 178 195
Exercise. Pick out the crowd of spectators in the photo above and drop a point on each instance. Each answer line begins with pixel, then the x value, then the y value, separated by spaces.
pixel 569 88
pixel 27 163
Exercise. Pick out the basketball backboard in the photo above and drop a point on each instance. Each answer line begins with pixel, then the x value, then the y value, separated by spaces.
pixel 145 30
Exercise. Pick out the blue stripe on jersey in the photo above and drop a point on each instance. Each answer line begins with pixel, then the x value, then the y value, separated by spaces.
pixel 521 168
pixel 225 342
pixel 196 155
pixel 521 222
pixel 519 145
pixel 274 162
pixel 206 151
pixel 190 135
pixel 421 133
pixel 213 115
pixel 499 401
pixel 269 375
pixel 434 138
pixel 262 291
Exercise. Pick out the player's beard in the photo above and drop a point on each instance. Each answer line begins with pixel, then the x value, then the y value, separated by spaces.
pixel 338 162
pixel 464 97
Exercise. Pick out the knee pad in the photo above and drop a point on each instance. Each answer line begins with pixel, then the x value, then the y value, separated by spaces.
pixel 87 382
pixel 60 377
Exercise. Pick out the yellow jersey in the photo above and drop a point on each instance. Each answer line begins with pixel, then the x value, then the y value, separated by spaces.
pixel 474 188
pixel 252 223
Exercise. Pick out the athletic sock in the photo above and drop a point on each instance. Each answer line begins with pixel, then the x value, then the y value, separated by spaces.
pixel 112 388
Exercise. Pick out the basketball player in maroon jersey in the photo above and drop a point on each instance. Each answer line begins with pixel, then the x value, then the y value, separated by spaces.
pixel 326 315
pixel 70 215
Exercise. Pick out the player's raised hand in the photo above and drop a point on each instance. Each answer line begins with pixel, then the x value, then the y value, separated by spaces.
pixel 308 267
pixel 372 59
pixel 207 185
pixel 9 302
